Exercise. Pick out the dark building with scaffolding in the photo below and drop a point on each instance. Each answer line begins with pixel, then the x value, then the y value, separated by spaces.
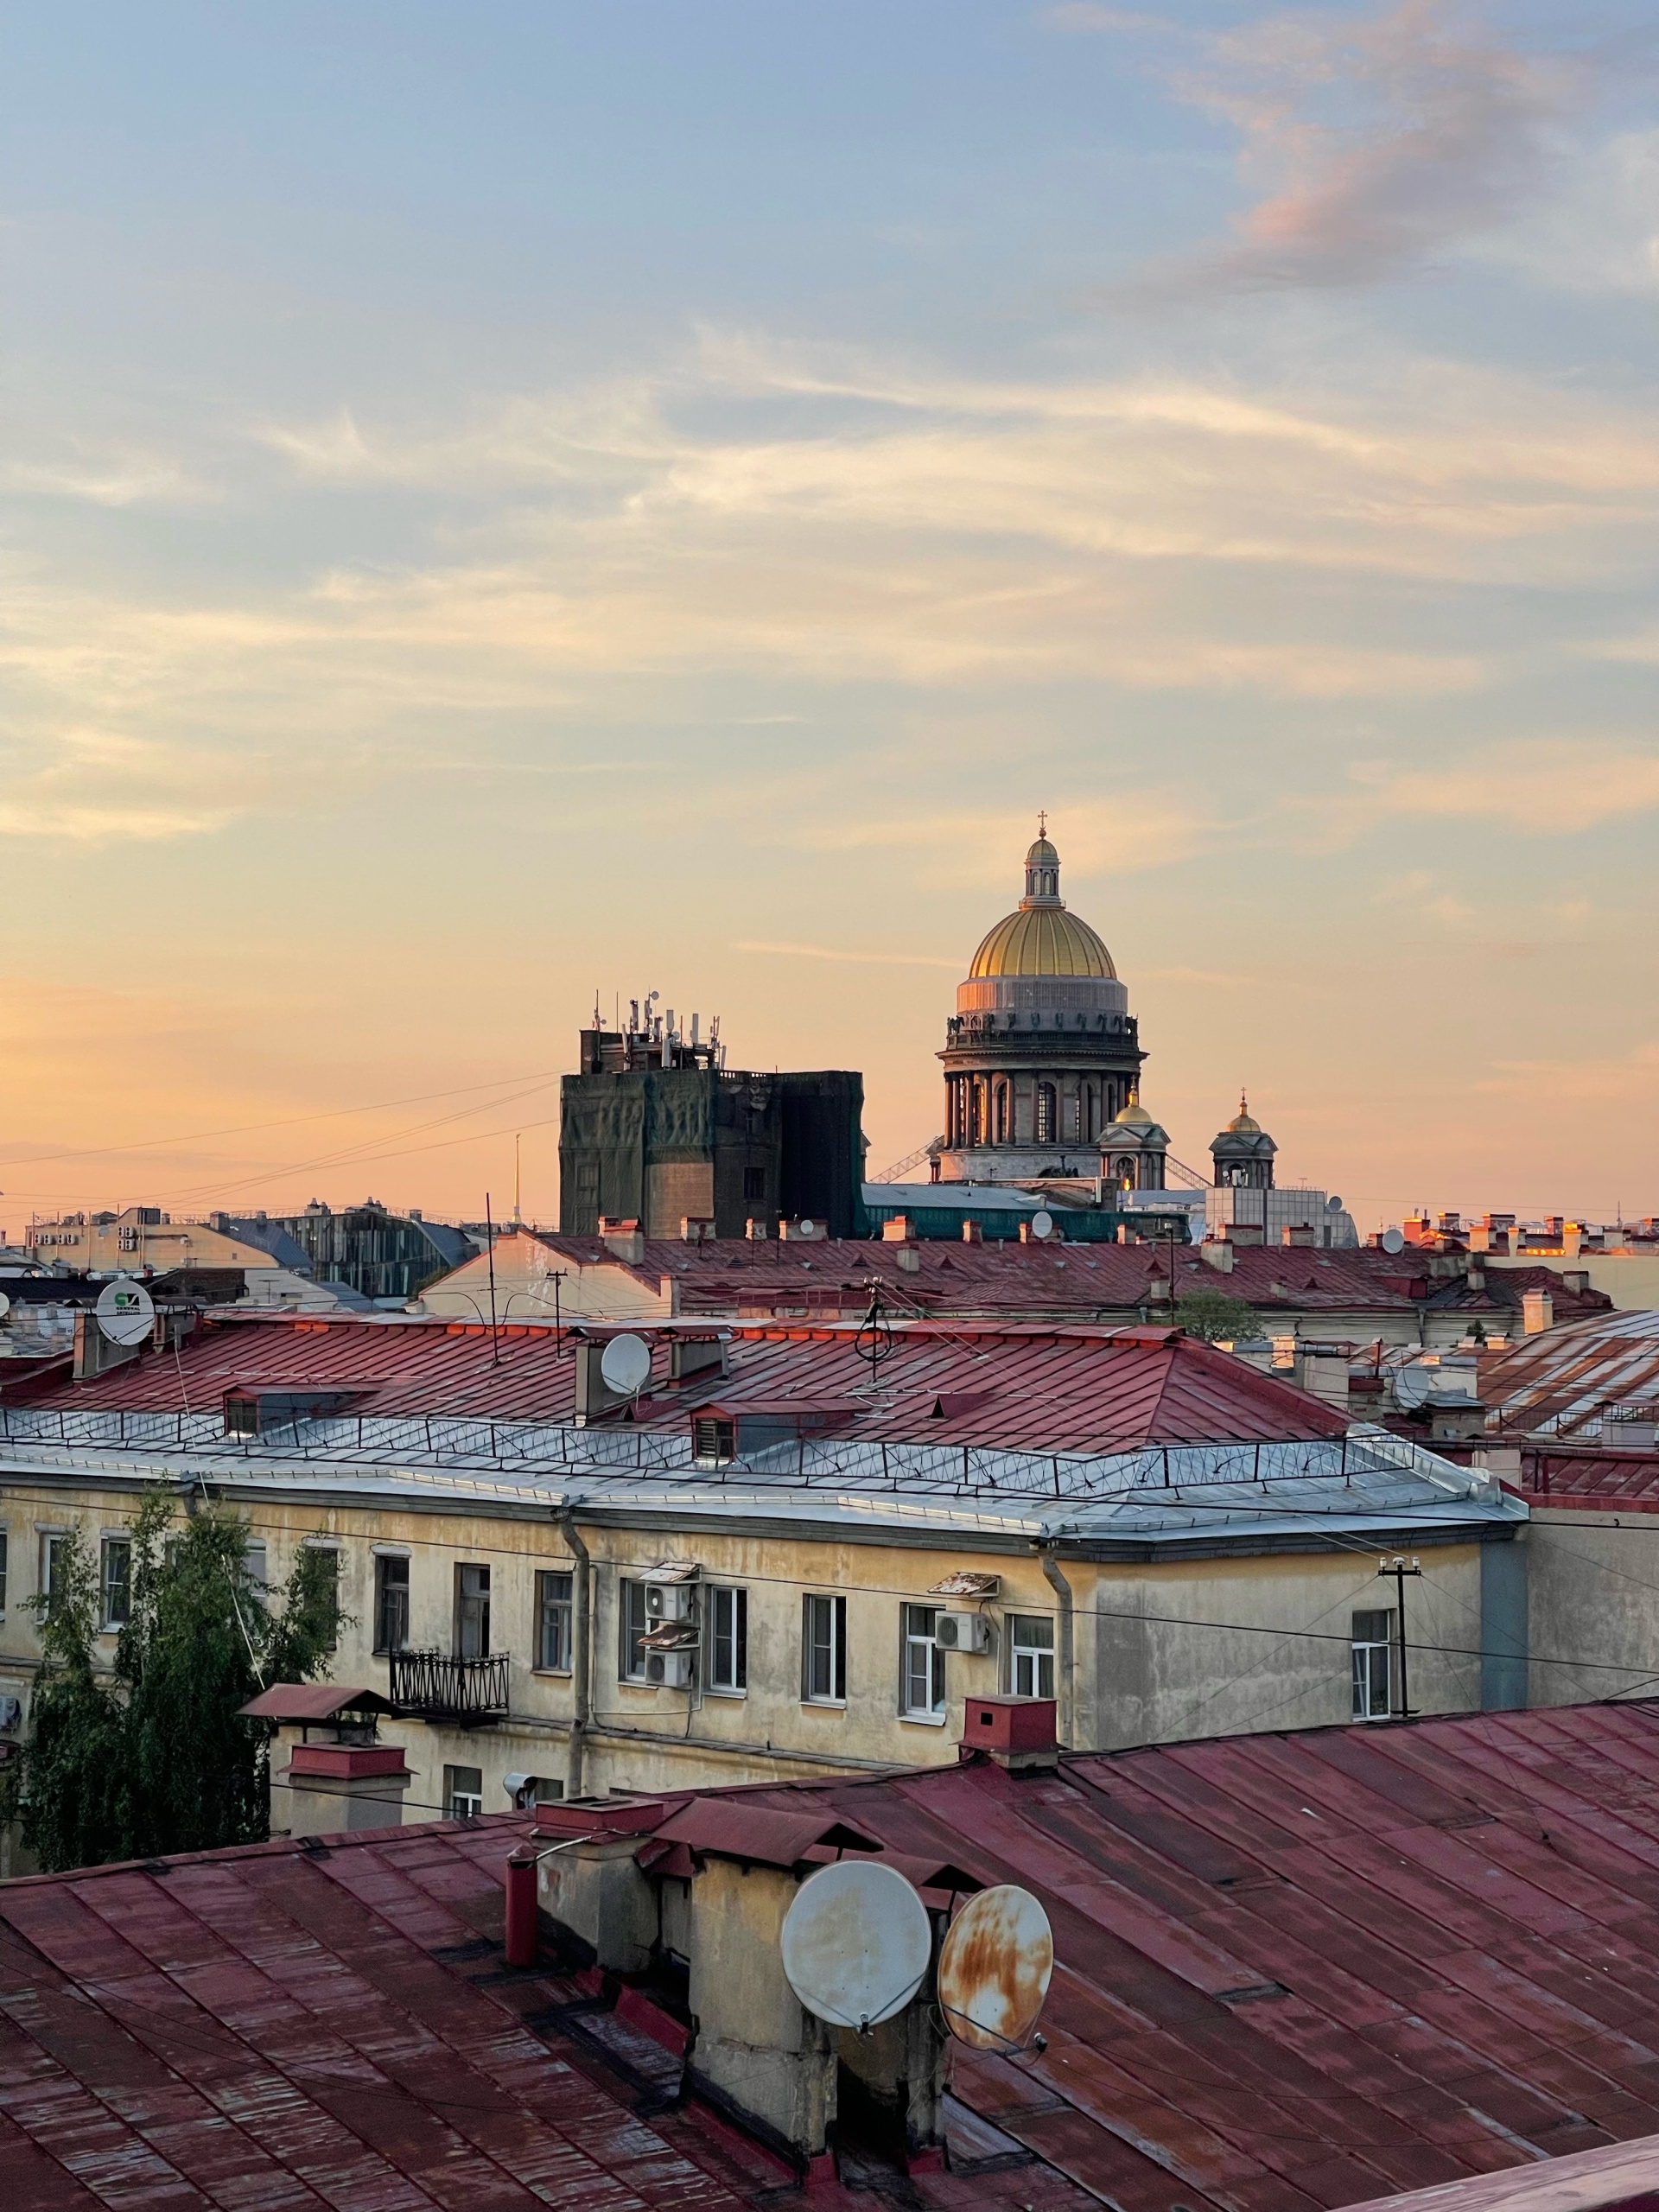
pixel 657 1128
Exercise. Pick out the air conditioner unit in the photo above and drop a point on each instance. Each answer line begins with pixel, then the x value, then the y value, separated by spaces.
pixel 670 1601
pixel 672 1670
pixel 962 1632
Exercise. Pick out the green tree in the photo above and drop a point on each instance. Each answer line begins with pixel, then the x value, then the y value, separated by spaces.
pixel 157 1759
pixel 1213 1315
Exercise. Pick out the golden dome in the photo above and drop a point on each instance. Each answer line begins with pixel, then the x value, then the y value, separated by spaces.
pixel 1243 1124
pixel 1042 941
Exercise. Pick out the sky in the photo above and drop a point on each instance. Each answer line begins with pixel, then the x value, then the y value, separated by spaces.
pixel 511 502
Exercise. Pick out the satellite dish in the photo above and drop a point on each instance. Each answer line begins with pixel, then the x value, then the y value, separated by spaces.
pixel 856 1942
pixel 5 1306
pixel 1334 1203
pixel 625 1364
pixel 994 1968
pixel 1412 1385
pixel 1042 1222
pixel 808 1229
pixel 1394 1240
pixel 125 1312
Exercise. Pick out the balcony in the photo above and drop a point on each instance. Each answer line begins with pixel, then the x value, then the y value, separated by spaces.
pixel 431 1686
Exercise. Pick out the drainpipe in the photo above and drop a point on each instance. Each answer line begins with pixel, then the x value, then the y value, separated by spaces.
pixel 581 1650
pixel 1062 1589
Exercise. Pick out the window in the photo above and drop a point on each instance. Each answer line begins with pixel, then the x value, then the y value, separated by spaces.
pixel 1048 1115
pixel 330 1556
pixel 3 1571
pixel 921 1686
pixel 754 1185
pixel 728 1639
pixel 471 1612
pixel 823 1651
pixel 390 1603
pixel 241 1416
pixel 634 1621
pixel 714 1442
pixel 553 1623
pixel 1030 1656
pixel 463 1788
pixel 1002 1113
pixel 1373 1666
pixel 254 1559
pixel 54 1565
pixel 117 1580
pixel 975 1112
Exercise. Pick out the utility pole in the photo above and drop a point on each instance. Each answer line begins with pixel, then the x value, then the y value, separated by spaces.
pixel 1399 1566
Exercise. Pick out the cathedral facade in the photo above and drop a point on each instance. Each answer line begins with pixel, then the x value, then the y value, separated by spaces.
pixel 1042 1058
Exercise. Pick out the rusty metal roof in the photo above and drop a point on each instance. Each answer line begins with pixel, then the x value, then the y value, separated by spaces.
pixel 726 1827
pixel 1559 1383
pixel 283 2027
pixel 1312 1969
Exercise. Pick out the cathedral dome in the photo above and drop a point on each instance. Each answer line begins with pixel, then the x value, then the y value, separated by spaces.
pixel 1042 941
pixel 1039 938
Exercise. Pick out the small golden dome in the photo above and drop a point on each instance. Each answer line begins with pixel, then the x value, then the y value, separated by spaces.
pixel 1042 941
pixel 1042 854
pixel 1242 1124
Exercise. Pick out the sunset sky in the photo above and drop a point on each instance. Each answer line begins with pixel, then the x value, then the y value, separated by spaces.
pixel 511 500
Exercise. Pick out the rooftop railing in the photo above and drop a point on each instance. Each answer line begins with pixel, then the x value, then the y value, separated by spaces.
pixel 532 1449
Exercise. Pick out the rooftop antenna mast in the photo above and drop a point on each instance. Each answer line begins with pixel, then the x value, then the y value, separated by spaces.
pixel 517 1215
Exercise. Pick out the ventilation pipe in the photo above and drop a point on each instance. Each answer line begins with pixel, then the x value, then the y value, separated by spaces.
pixel 1062 1589
pixel 581 1650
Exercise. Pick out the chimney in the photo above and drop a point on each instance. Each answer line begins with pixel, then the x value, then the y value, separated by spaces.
pixel 803 1232
pixel 1246 1232
pixel 1302 1235
pixel 624 1238
pixel 972 1233
pixel 1576 1278
pixel 1537 1312
pixel 94 1353
pixel 910 1260
pixel 901 1229
pixel 1020 1733
pixel 1218 1252
pixel 756 1229
pixel 696 1229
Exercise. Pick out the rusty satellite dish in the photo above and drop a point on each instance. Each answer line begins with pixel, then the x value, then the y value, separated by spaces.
pixel 994 1968
pixel 856 1942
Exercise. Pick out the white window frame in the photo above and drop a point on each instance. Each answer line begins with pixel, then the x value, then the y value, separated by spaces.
pixel 1366 1650
pixel 921 1665
pixel 728 1602
pixel 811 1644
pixel 462 1804
pixel 1031 1666
pixel 564 1608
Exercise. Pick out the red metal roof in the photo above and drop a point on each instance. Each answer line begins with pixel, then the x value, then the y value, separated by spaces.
pixel 1051 1387
pixel 311 1701
pixel 1312 1969
pixel 277 2027
pixel 1624 2179
pixel 734 1276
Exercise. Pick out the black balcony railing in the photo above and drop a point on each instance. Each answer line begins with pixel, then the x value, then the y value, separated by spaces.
pixel 432 1686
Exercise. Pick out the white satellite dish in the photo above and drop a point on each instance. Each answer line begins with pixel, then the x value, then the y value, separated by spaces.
pixel 994 1968
pixel 125 1312
pixel 808 1229
pixel 5 1306
pixel 1042 1222
pixel 856 1942
pixel 1412 1385
pixel 625 1364
pixel 1394 1240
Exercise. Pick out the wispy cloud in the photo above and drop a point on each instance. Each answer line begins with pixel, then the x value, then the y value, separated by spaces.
pixel 862 959
pixel 1371 144
pixel 1547 787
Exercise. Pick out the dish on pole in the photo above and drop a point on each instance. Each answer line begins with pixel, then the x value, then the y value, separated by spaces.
pixel 994 1968
pixel 125 1312
pixel 856 1941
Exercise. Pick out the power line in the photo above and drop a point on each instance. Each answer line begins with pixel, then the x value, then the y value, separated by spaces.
pixel 294 1121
